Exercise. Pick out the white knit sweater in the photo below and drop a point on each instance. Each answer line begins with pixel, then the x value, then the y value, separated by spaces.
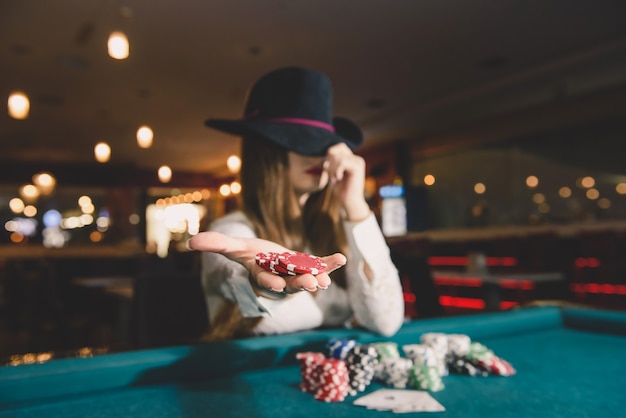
pixel 375 304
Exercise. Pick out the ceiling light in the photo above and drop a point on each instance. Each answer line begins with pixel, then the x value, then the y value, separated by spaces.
pixel 532 181
pixel 29 192
pixel 144 136
pixel 16 205
pixel 45 182
pixel 588 182
pixel 102 152
pixel 118 46
pixel 233 163
pixel 30 211
pixel 480 188
pixel 165 174
pixel 225 190
pixel 18 105
pixel 235 187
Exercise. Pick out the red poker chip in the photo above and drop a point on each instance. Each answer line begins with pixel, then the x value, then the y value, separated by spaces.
pixel 327 379
pixel 276 268
pixel 268 260
pixel 263 259
pixel 310 370
pixel 501 367
pixel 301 263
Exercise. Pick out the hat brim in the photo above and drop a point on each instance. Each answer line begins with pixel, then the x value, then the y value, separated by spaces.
pixel 311 140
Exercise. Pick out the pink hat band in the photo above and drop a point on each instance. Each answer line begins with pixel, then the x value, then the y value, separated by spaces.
pixel 296 121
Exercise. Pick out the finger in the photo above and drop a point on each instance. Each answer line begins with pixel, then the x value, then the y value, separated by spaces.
pixel 335 169
pixel 302 282
pixel 270 281
pixel 334 261
pixel 323 280
pixel 339 148
pixel 336 154
pixel 339 168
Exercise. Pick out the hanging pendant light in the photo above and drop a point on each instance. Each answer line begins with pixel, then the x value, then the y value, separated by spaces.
pixel 118 45
pixel 234 164
pixel 144 136
pixel 45 182
pixel 165 174
pixel 18 105
pixel 102 152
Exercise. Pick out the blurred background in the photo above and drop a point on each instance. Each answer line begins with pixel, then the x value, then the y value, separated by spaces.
pixel 495 138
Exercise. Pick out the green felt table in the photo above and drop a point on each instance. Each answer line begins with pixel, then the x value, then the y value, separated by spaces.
pixel 570 362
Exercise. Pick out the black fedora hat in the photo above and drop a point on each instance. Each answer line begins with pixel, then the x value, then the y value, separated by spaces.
pixel 293 107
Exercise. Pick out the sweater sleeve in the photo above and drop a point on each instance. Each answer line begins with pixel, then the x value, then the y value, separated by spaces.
pixel 227 279
pixel 376 298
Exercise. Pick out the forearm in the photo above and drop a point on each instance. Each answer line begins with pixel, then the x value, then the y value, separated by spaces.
pixel 278 313
pixel 374 286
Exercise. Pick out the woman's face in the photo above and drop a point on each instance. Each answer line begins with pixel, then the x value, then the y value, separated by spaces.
pixel 307 174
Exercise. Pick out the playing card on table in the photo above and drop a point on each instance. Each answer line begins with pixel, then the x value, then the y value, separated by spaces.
pixel 400 400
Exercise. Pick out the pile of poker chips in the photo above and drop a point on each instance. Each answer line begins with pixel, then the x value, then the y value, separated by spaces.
pixel 480 360
pixel 348 367
pixel 361 361
pixel 290 263
pixel 326 378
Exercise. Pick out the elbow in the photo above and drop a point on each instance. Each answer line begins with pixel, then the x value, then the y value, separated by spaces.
pixel 390 329
pixel 389 325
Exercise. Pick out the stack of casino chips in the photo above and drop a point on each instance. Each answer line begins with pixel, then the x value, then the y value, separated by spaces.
pixel 310 362
pixel 459 357
pixel 459 344
pixel 425 373
pixel 386 350
pixel 290 263
pixel 475 359
pixel 423 377
pixel 421 354
pixel 339 348
pixel 463 365
pixel 395 372
pixel 334 381
pixel 362 361
pixel 486 360
pixel 472 361
pixel 326 378
pixel 438 341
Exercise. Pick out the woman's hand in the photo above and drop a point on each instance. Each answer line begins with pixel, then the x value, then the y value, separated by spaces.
pixel 244 251
pixel 346 173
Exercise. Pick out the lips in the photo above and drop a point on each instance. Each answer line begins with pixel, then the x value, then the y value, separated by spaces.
pixel 314 171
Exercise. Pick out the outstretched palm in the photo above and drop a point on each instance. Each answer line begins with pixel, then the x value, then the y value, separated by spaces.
pixel 244 251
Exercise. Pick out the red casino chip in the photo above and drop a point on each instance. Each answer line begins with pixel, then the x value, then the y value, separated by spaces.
pixel 263 259
pixel 276 268
pixel 301 263
pixel 500 367
pixel 334 381
pixel 310 362
pixel 269 261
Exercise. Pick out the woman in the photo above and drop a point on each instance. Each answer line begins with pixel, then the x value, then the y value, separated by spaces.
pixel 302 190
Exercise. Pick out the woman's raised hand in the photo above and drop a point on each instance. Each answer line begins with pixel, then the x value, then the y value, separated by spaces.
pixel 346 172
